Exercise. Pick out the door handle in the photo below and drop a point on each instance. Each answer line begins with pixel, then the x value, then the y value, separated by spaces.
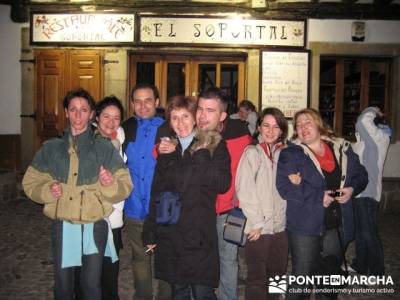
pixel 32 116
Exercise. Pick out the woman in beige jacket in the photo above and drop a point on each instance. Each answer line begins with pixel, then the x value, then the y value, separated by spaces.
pixel 267 247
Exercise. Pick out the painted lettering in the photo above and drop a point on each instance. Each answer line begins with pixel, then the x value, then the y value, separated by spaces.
pixel 118 32
pixel 157 28
pixel 197 27
pixel 260 29
pixel 235 35
pixel 210 30
pixel 283 35
pixel 222 28
pixel 247 30
pixel 272 34
pixel 172 33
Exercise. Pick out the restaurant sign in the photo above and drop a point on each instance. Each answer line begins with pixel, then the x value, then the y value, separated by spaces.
pixel 82 28
pixel 204 30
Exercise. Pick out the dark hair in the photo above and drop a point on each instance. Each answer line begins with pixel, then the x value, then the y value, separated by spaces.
pixel 81 93
pixel 247 104
pixel 179 102
pixel 141 86
pixel 109 101
pixel 217 94
pixel 322 127
pixel 279 118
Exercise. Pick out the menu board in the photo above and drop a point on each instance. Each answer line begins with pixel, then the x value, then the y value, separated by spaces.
pixel 284 80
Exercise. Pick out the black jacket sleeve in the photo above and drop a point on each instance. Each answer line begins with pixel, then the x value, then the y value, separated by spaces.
pixel 214 169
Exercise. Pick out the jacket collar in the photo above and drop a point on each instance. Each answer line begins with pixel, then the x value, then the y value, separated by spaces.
pixel 154 121
pixel 339 146
pixel 80 139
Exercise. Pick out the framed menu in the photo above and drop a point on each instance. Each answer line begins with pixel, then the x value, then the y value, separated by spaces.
pixel 284 80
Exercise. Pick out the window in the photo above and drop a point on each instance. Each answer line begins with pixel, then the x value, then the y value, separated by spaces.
pixel 347 86
pixel 182 73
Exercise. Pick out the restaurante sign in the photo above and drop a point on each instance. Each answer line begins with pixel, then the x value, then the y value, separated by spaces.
pixel 82 28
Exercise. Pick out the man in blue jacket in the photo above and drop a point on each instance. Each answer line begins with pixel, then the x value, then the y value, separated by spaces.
pixel 140 137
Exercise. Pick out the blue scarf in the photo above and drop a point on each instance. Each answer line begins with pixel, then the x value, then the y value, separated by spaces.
pixel 74 242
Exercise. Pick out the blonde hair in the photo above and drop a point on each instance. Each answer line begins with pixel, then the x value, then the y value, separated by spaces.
pixel 322 127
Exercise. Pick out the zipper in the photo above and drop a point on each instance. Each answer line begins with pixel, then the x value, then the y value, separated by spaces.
pixel 80 212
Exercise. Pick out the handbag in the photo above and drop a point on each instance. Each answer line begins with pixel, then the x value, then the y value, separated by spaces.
pixel 234 227
pixel 168 207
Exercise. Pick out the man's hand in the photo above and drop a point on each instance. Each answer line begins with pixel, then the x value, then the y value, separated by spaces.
pixel 105 177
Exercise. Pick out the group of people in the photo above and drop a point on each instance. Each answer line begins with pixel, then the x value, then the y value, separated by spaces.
pixel 296 196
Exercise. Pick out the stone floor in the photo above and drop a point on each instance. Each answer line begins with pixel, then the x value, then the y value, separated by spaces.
pixel 25 261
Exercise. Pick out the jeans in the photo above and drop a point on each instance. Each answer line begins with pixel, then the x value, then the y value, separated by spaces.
pixel 141 265
pixel 265 258
pixel 192 291
pixel 90 275
pixel 369 250
pixel 314 255
pixel 109 276
pixel 228 264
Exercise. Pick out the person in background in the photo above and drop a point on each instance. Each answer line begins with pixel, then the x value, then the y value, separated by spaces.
pixel 109 112
pixel 267 247
pixel 247 113
pixel 318 175
pixel 78 177
pixel 186 253
pixel 373 139
pixel 211 115
pixel 141 134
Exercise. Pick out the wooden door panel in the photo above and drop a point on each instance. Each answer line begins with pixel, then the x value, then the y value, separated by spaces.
pixel 49 94
pixel 85 72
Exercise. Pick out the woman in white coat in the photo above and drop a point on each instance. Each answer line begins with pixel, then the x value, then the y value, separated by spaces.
pixel 267 247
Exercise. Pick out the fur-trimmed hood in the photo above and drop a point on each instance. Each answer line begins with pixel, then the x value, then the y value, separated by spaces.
pixel 208 138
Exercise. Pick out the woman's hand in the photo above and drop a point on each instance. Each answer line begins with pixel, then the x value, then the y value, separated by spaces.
pixel 166 146
pixel 150 248
pixel 56 190
pixel 327 198
pixel 254 234
pixel 346 194
pixel 295 178
pixel 105 177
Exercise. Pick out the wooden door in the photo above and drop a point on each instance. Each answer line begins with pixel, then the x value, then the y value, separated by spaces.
pixel 50 89
pixel 57 72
